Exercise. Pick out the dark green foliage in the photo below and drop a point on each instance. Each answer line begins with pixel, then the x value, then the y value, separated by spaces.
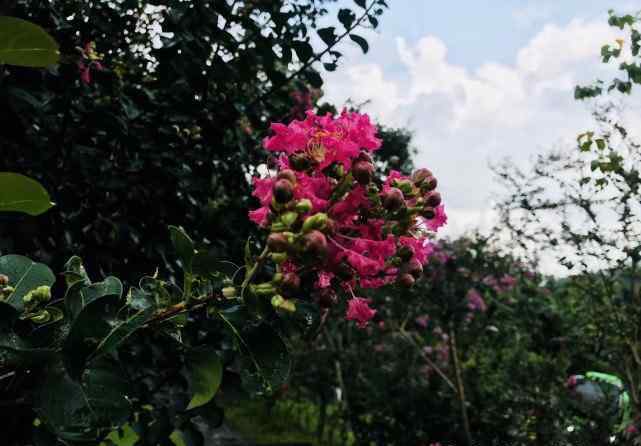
pixel 165 134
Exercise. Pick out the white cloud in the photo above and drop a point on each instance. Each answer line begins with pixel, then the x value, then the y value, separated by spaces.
pixel 463 118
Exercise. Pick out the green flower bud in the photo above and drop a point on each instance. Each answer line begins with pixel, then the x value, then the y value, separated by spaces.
pixel 303 206
pixel 7 291
pixel 229 292
pixel 316 221
pixel 277 278
pixel 280 302
pixel 41 317
pixel 42 293
pixel 279 257
pixel 405 186
pixel 278 226
pixel 289 218
pixel 263 289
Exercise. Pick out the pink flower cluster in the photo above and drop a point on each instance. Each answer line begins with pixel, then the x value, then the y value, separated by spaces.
pixel 332 222
pixel 502 284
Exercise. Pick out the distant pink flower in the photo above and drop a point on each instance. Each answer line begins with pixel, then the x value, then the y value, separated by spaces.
pixel 631 430
pixel 422 321
pixel 475 301
pixel 358 310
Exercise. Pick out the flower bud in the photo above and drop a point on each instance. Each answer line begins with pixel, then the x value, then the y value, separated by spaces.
pixel 7 291
pixel 291 283
pixel 263 289
pixel 41 317
pixel 4 280
pixel 405 253
pixel 279 257
pixel 278 226
pixel 420 176
pixel 283 191
pixel 429 184
pixel 42 293
pixel 277 278
pixel 229 292
pixel 428 213
pixel 393 199
pixel 316 221
pixel 433 199
pixel 280 302
pixel 303 206
pixel 289 218
pixel 287 174
pixel 277 242
pixel 315 244
pixel 300 161
pixel 414 268
pixel 406 280
pixel 363 171
pixel 364 156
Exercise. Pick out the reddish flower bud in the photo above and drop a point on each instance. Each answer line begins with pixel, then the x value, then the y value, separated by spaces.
pixel 433 199
pixel 283 191
pixel 406 280
pixel 393 199
pixel 429 184
pixel 363 171
pixel 414 268
pixel 4 280
pixel 300 161
pixel 287 174
pixel 428 213
pixel 326 297
pixel 421 175
pixel 405 253
pixel 277 242
pixel 315 244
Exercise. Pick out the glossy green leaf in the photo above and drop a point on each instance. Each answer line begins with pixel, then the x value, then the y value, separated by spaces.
pixel 346 17
pixel 205 372
pixel 123 436
pixel 24 275
pixel 184 246
pixel 19 193
pixel 26 44
pixel 82 411
pixel 267 362
pixel 98 330
pixel 80 295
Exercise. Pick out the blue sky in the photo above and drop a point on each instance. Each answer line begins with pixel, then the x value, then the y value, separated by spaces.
pixel 477 81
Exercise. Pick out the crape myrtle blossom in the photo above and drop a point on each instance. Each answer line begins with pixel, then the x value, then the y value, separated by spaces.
pixel 336 226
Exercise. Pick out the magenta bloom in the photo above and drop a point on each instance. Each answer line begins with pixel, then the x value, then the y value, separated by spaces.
pixel 475 301
pixel 439 220
pixel 358 310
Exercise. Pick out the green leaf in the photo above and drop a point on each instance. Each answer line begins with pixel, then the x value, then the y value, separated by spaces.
pixel 75 272
pixel 83 411
pixel 360 41
pixel 24 275
pixel 121 332
pixel 123 436
pixel 328 35
pixel 87 331
pixel 205 372
pixel 184 246
pixel 79 295
pixel 360 3
pixel 26 44
pixel 314 79
pixel 8 316
pixel 268 363
pixel 19 193
pixel 346 17
pixel 303 50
